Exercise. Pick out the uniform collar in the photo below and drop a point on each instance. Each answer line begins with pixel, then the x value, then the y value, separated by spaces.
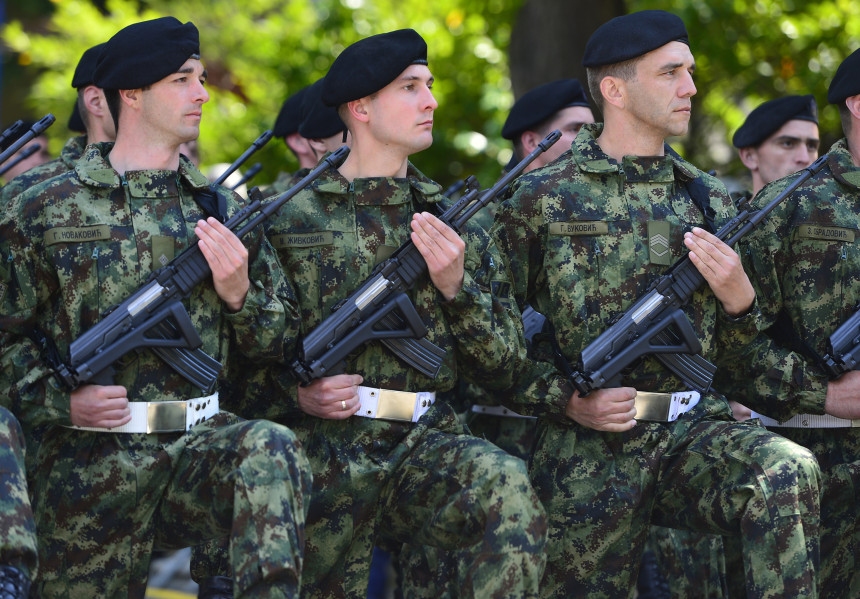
pixel 95 170
pixel 590 158
pixel 842 166
pixel 381 191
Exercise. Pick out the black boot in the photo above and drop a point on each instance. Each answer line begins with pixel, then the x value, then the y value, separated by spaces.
pixel 14 584
pixel 215 587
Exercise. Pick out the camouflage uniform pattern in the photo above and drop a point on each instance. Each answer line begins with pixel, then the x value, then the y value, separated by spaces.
pixel 704 471
pixel 17 530
pixel 424 483
pixel 81 243
pixel 69 155
pixel 805 261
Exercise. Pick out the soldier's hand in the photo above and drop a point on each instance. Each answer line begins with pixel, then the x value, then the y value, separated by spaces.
pixel 610 410
pixel 843 396
pixel 443 250
pixel 98 405
pixel 721 266
pixel 227 256
pixel 333 397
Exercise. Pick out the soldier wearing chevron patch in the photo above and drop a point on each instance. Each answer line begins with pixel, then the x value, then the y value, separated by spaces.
pixel 805 266
pixel 603 475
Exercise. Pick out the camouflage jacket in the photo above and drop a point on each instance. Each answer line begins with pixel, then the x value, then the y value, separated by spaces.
pixel 283 182
pixel 329 238
pixel 804 259
pixel 584 237
pixel 82 242
pixel 70 154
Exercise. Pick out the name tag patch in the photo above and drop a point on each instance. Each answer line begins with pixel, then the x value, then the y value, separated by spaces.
pixel 302 240
pixel 590 227
pixel 826 233
pixel 77 234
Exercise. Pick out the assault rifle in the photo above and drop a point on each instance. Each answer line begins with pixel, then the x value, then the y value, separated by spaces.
pixel 380 309
pixel 25 153
pixel 843 347
pixel 154 316
pixel 12 133
pixel 655 324
pixel 24 138
pixel 261 141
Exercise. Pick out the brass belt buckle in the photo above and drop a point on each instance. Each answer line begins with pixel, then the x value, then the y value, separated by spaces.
pixel 396 405
pixel 165 416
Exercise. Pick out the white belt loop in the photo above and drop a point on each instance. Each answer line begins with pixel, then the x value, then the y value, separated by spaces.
pixel 163 416
pixel 386 404
pixel 807 421
pixel 499 411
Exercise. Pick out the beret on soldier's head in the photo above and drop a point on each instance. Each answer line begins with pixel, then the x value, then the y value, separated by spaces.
pixel 76 123
pixel 540 103
pixel 290 116
pixel 318 120
pixel 846 81
pixel 144 53
pixel 629 36
pixel 370 64
pixel 86 66
pixel 766 119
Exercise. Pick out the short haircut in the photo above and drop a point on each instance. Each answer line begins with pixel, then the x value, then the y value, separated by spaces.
pixel 622 70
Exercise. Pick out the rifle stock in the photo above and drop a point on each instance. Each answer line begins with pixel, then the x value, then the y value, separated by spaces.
pixel 655 323
pixel 154 317
pixel 380 309
pixel 843 347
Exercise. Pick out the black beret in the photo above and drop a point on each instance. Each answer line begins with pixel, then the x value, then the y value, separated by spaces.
pixel 846 81
pixel 540 103
pixel 370 64
pixel 629 36
pixel 290 116
pixel 766 119
pixel 318 120
pixel 86 66
pixel 144 53
pixel 76 123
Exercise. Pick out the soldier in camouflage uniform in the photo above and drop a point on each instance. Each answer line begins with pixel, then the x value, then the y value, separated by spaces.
pixel 17 530
pixel 95 118
pixel 805 265
pixel 584 237
pixel 422 480
pixel 107 487
pixel 778 138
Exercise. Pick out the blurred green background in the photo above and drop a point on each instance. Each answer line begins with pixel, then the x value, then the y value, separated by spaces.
pixel 483 54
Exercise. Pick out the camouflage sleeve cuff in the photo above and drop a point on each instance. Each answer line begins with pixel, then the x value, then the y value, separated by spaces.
pixel 259 324
pixel 741 329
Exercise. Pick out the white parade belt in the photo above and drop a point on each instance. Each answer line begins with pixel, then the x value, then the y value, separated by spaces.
pixel 807 421
pixel 163 416
pixel 393 405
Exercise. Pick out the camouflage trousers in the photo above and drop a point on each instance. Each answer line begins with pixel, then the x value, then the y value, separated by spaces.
pixel 838 454
pixel 432 573
pixel 428 484
pixel 602 491
pixel 104 501
pixel 17 529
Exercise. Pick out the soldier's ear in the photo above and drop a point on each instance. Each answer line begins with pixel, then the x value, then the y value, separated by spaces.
pixel 614 91
pixel 853 105
pixel 358 109
pixel 530 141
pixel 749 157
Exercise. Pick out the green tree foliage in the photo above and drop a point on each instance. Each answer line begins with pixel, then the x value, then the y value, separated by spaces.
pixel 258 52
pixel 751 51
